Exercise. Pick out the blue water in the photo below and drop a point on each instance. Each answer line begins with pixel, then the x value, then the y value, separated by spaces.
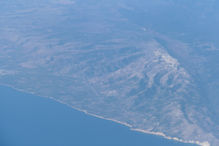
pixel 28 120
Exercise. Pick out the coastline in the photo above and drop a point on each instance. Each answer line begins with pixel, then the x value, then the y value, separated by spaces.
pixel 205 143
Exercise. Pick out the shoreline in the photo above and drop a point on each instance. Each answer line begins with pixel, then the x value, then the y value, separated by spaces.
pixel 205 143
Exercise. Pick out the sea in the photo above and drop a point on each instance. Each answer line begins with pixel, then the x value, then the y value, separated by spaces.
pixel 30 120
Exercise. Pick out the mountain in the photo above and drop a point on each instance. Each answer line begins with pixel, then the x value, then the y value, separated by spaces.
pixel 151 65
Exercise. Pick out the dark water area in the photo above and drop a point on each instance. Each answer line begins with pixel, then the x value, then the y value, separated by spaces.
pixel 28 120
